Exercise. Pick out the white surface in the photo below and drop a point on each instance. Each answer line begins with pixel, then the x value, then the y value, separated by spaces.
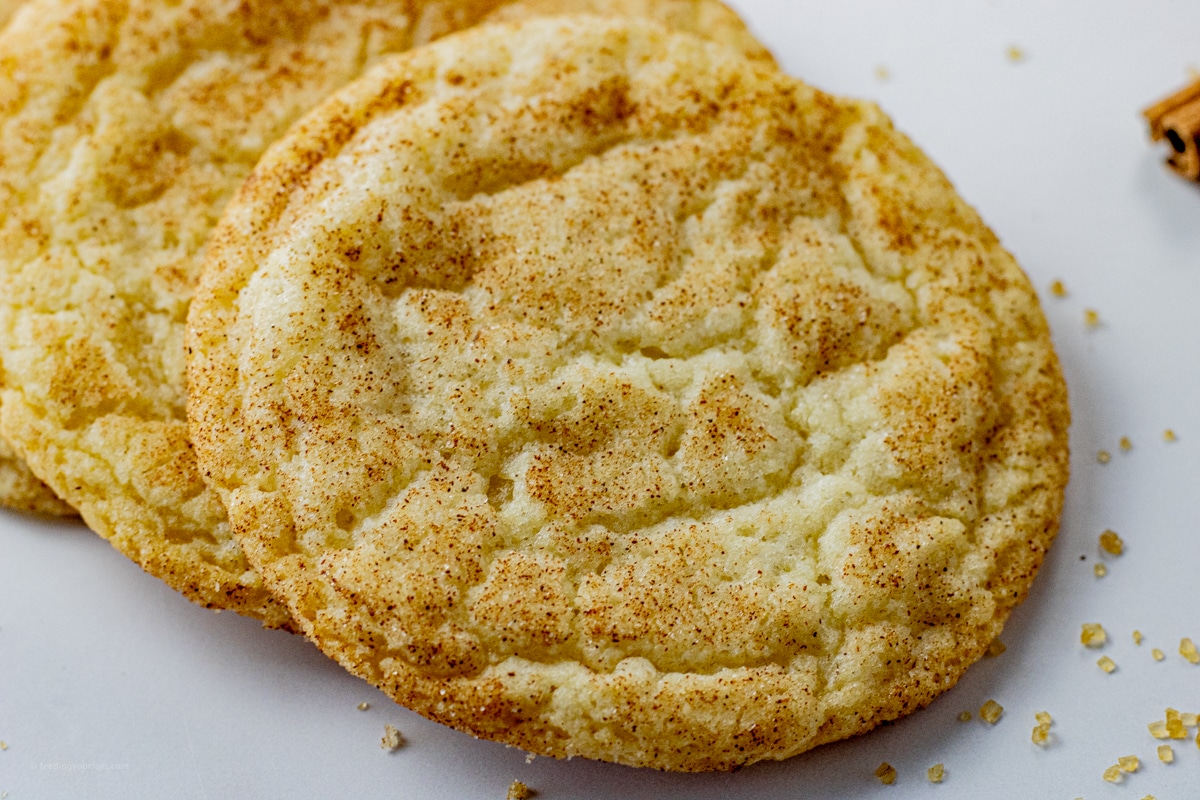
pixel 112 686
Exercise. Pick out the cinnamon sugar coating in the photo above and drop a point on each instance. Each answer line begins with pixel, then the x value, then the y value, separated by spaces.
pixel 125 127
pixel 588 388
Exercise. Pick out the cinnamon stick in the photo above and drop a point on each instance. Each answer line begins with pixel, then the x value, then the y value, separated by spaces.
pixel 1177 120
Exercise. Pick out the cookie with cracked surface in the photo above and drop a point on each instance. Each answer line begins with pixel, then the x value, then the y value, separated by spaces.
pixel 588 388
pixel 126 126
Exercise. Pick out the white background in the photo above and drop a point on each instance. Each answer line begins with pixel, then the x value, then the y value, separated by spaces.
pixel 113 686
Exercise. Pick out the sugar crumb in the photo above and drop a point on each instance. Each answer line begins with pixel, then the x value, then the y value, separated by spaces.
pixel 519 791
pixel 936 773
pixel 1107 664
pixel 886 774
pixel 964 716
pixel 1129 764
pixel 1058 289
pixel 1187 649
pixel 1137 637
pixel 1158 654
pixel 1158 729
pixel 1113 774
pixel 996 648
pixel 1125 444
pixel 1104 456
pixel 1100 570
pixel 1015 54
pixel 363 706
pixel 1111 543
pixel 1169 436
pixel 392 740
pixel 1091 317
pixel 882 73
pixel 1166 753
pixel 990 712
pixel 1093 635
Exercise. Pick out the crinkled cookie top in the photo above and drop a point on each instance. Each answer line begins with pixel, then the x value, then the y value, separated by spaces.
pixel 125 127
pixel 589 388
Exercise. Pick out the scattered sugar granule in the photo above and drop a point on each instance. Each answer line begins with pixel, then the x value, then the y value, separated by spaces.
pixel 1165 753
pixel 1169 435
pixel 1107 664
pixel 1189 720
pixel 1113 774
pixel 1040 735
pixel 392 740
pixel 529 757
pixel 1091 318
pixel 1125 444
pixel 1104 456
pixel 1137 637
pixel 1175 728
pixel 1128 763
pixel 1093 635
pixel 936 773
pixel 1015 54
pixel 1100 570
pixel 990 712
pixel 1149 797
pixel 1158 729
pixel 882 73
pixel 886 774
pixel 3 745
pixel 1111 543
pixel 1198 740
pixel 363 706
pixel 1058 289
pixel 1187 649
pixel 518 791
pixel 1158 654
pixel 965 716
pixel 1044 718
pixel 996 648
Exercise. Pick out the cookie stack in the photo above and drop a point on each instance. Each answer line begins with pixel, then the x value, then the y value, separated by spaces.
pixel 561 368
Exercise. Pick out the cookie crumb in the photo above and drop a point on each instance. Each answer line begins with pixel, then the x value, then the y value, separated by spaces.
pixel 1015 54
pixel 1125 444
pixel 392 740
pixel 1158 654
pixel 1104 456
pixel 1169 436
pixel 529 757
pixel 996 648
pixel 886 774
pixel 1166 753
pixel 1128 764
pixel 1058 289
pixel 1187 649
pixel 936 773
pixel 1111 543
pixel 1093 635
pixel 518 791
pixel 1137 637
pixel 1100 570
pixel 1113 774
pixel 1107 664
pixel 363 706
pixel 965 716
pixel 1091 318
pixel 990 712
